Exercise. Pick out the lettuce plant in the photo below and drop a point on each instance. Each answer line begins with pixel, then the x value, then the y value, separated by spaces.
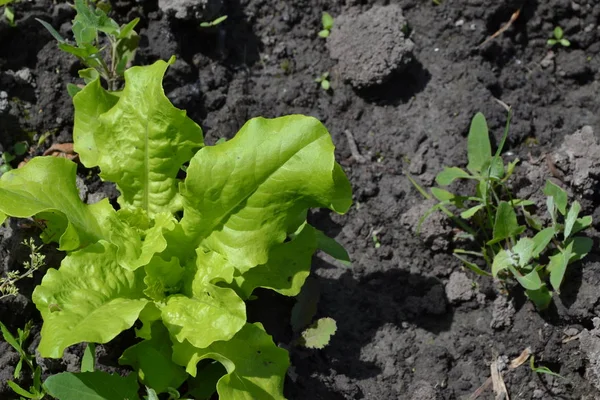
pixel 179 256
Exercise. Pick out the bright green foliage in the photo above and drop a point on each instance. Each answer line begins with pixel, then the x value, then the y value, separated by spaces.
pixel 215 22
pixel 318 334
pixel 142 130
pixel 244 226
pixel 255 365
pixel 153 361
pixel 95 385
pixel 89 22
pixel 323 81
pixel 9 13
pixel 327 23
pixel 558 37
pixel 499 224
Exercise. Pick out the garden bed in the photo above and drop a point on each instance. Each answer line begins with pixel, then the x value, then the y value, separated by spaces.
pixel 412 322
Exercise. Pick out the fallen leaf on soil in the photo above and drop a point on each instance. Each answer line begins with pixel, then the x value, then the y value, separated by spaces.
pixel 498 382
pixel 517 362
pixel 500 31
pixel 63 150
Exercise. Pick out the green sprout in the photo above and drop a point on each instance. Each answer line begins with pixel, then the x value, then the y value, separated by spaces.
pixel 9 13
pixel 327 22
pixel 558 36
pixel 511 242
pixel 89 22
pixel 213 23
pixel 19 149
pixel 324 81
pixel 37 390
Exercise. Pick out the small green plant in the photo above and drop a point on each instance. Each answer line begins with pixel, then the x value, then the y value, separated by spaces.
pixel 19 149
pixel 178 255
pixel 37 390
pixel 542 370
pixel 8 12
pixel 327 23
pixel 323 80
pixel 109 63
pixel 498 224
pixel 36 260
pixel 213 23
pixel 558 37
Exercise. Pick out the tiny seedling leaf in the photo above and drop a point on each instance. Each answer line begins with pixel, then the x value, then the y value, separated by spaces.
pixel 496 168
pixel 531 281
pixel 558 195
pixel 327 21
pixel 479 150
pixel 92 386
pixel 524 249
pixel 449 175
pixel 541 297
pixel 441 194
pixel 581 224
pixel 472 266
pixel 558 266
pixel 502 261
pixel 325 85
pixel 541 240
pixel 9 14
pixel 564 42
pixel 471 211
pixel 52 31
pixel 558 33
pixel 506 225
pixel 318 334
pixel 88 359
pixel 581 247
pixel 571 218
pixel 324 33
pixel 20 391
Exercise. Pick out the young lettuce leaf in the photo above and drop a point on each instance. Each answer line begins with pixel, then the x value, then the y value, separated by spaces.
pixel 138 139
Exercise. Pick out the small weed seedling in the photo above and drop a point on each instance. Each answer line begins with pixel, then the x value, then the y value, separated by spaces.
pixel 8 12
pixel 213 23
pixel 19 149
pixel 36 261
pixel 558 37
pixel 37 390
pixel 327 23
pixel 323 80
pixel 88 23
pixel 498 223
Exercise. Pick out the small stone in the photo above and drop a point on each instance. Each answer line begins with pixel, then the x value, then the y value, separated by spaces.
pixel 459 288
pixel 459 23
pixel 571 332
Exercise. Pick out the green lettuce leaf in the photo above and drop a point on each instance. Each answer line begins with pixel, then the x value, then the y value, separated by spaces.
pixel 139 140
pixel 255 366
pixel 137 249
pixel 287 268
pixel 162 277
pixel 152 361
pixel 242 197
pixel 89 299
pixel 45 188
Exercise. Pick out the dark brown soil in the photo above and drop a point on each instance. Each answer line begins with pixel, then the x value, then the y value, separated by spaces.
pixel 412 324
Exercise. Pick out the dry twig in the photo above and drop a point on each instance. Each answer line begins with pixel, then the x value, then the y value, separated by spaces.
pixel 503 29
